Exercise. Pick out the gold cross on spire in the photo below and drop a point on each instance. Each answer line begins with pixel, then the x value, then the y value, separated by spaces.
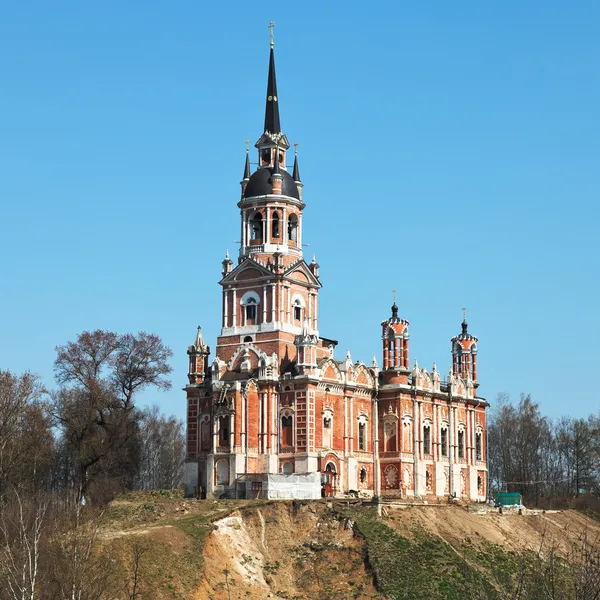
pixel 295 149
pixel 395 292
pixel 271 25
pixel 464 314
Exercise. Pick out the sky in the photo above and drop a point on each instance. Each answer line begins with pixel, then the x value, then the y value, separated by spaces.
pixel 450 151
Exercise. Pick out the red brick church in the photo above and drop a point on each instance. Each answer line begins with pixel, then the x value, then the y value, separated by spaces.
pixel 276 406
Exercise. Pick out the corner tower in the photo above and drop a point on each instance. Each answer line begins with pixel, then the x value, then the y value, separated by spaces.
pixel 464 353
pixel 394 337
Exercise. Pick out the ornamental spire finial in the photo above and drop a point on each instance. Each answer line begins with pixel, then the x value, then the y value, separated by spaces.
pixel 464 323
pixel 271 35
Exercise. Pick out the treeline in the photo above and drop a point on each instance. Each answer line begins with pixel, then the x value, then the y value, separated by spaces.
pixel 66 452
pixel 552 463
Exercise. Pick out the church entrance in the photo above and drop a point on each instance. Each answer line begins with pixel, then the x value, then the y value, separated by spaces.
pixel 328 481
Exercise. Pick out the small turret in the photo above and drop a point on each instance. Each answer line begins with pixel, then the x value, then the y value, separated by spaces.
pixel 395 341
pixel 314 266
pixel 198 353
pixel 227 264
pixel 246 177
pixel 306 349
pixel 464 353
pixel 296 173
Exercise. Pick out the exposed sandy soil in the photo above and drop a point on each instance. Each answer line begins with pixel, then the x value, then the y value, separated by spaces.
pixel 511 531
pixel 284 551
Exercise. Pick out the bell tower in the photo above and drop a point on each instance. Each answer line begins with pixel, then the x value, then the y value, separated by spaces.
pixel 272 288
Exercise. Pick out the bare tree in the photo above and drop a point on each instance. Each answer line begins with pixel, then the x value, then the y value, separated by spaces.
pixel 100 373
pixel 162 451
pixel 26 441
pixel 21 526
pixel 138 549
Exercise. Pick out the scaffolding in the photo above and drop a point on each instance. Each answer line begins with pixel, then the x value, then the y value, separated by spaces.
pixel 279 486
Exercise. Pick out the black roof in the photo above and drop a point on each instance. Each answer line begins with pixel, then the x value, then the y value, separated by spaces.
pixel 260 184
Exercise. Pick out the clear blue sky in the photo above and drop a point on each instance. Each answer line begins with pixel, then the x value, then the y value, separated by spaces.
pixel 449 150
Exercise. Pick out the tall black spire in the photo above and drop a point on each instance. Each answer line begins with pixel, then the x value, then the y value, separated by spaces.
pixel 296 173
pixel 272 109
pixel 247 167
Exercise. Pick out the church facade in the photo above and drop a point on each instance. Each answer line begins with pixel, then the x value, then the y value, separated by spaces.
pixel 275 399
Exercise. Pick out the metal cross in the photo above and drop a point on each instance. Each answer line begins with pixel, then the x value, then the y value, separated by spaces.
pixel 271 25
pixel 464 314
pixel 247 145
pixel 295 149
pixel 395 292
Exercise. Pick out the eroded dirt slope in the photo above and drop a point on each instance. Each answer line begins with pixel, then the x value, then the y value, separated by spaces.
pixel 285 550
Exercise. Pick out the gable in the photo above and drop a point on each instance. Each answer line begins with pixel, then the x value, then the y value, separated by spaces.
pixel 299 276
pixel 248 274
pixel 300 272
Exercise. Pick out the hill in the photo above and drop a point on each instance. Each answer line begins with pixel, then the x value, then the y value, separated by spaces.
pixel 169 547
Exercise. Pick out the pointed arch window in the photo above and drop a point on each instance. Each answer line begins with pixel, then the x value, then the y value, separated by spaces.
pixel 287 425
pixel 256 227
pixel 461 444
pixel 362 436
pixel 444 440
pixel 293 228
pixel 328 429
pixel 426 438
pixel 275 225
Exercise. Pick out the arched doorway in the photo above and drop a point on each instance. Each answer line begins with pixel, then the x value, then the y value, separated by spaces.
pixel 329 480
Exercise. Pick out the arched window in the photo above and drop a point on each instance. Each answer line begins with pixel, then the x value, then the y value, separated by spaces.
pixel 247 339
pixel 407 431
pixel 298 307
pixel 444 441
pixel 275 225
pixel 224 430
pixel 297 310
pixel 362 436
pixel 287 423
pixel 293 228
pixel 363 475
pixel 250 310
pixel 256 227
pixel 461 444
pixel 249 303
pixel 478 452
pixel 327 428
pixel 287 468
pixel 426 439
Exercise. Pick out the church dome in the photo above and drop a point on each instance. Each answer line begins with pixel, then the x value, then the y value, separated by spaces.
pixel 260 184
